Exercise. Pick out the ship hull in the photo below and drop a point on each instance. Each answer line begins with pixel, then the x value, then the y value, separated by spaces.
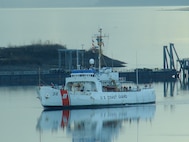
pixel 57 98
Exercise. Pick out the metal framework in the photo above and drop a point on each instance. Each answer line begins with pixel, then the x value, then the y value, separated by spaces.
pixel 184 63
pixel 170 53
pixel 68 58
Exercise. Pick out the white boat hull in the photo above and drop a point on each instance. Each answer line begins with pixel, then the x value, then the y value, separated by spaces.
pixel 52 97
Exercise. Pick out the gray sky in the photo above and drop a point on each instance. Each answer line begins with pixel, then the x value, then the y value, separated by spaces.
pixel 88 3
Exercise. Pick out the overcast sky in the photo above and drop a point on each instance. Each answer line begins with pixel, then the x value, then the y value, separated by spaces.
pixel 88 3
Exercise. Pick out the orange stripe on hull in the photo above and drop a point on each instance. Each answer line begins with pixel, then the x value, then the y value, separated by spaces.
pixel 65 98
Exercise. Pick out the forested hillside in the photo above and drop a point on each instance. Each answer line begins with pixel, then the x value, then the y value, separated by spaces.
pixel 40 55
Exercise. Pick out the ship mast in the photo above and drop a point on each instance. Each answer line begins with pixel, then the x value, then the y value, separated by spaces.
pixel 99 41
pixel 100 44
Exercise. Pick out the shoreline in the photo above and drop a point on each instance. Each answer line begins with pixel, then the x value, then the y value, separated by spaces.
pixel 47 77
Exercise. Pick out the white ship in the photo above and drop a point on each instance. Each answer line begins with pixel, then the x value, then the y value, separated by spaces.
pixel 95 88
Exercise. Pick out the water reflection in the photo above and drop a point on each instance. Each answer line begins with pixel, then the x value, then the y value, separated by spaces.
pixel 172 88
pixel 93 124
pixel 184 85
pixel 169 88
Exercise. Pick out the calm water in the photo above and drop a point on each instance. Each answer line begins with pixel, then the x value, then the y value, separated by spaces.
pixel 23 119
pixel 134 32
pixel 131 31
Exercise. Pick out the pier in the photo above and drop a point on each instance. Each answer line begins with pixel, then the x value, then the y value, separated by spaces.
pixel 15 78
pixel 41 77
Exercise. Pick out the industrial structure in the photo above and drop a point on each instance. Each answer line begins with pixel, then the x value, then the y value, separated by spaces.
pixel 171 53
pixel 170 64
pixel 69 55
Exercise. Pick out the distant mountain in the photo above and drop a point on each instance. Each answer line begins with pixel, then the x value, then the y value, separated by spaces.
pixel 46 56
pixel 88 3
pixel 142 3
